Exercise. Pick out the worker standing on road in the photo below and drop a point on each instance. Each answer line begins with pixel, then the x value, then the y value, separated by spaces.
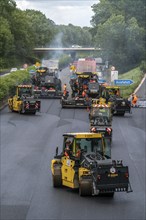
pixel 64 87
pixel 84 94
pixel 134 100
pixel 65 92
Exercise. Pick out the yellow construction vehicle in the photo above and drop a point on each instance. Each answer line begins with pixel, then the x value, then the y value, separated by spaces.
pixel 24 101
pixel 100 117
pixel 112 96
pixel 92 171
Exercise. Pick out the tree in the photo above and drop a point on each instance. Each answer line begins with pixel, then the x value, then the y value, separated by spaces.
pixel 119 28
pixel 6 7
pixel 122 42
pixel 6 42
pixel 43 29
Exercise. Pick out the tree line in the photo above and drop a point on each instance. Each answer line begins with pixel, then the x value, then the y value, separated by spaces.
pixel 118 27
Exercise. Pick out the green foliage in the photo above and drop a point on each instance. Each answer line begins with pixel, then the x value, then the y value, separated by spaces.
pixel 136 75
pixel 119 28
pixel 143 66
pixel 72 35
pixel 8 82
pixel 6 7
pixel 6 38
pixel 43 29
pixel 64 61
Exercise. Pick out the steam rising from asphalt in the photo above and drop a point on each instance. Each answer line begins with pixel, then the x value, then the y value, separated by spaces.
pixel 56 42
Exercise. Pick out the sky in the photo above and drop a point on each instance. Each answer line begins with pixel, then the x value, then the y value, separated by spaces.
pixel 77 12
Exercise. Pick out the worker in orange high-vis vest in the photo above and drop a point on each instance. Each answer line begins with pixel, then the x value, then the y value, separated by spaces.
pixel 134 100
pixel 84 93
pixel 67 151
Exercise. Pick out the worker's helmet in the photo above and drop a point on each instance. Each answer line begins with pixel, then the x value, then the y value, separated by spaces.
pixel 68 141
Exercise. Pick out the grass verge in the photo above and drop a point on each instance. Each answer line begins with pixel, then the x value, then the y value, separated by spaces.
pixel 136 75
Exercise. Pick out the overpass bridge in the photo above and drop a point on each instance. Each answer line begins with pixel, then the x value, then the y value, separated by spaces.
pixel 69 49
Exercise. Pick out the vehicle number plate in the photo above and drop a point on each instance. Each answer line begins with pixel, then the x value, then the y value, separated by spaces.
pixel 112 175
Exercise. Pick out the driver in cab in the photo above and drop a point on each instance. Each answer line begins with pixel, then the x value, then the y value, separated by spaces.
pixel 68 151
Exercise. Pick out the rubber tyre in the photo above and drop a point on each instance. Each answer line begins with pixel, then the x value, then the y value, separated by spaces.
pixel 121 113
pixel 85 188
pixel 57 181
pixel 11 108
pixel 20 112
pixel 111 194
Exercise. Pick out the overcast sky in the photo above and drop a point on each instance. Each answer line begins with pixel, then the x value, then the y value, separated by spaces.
pixel 77 12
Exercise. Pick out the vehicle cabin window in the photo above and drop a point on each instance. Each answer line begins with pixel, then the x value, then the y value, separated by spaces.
pixel 112 91
pixel 100 112
pixel 90 144
pixel 107 142
pixel 22 91
pixel 71 140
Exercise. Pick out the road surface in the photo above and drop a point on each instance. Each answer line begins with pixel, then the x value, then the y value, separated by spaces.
pixel 27 146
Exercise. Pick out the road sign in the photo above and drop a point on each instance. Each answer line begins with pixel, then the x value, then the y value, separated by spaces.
pixel 114 75
pixel 101 81
pixel 123 82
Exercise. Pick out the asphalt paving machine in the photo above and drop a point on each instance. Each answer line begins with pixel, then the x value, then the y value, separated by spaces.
pixel 84 86
pixel 47 84
pixel 75 102
pixel 92 171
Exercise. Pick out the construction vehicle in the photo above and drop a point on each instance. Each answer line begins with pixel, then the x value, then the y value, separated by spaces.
pixel 24 101
pixel 84 81
pixel 47 84
pixel 92 171
pixel 100 117
pixel 102 111
pixel 88 77
pixel 75 102
pixel 112 96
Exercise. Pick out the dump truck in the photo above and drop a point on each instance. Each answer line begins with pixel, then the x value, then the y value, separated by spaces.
pixel 24 101
pixel 112 96
pixel 46 83
pixel 92 171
